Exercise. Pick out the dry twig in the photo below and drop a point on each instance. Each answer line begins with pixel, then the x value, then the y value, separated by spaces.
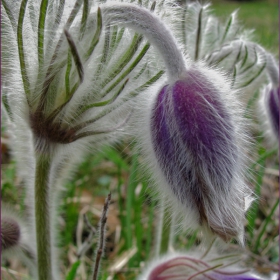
pixel 101 245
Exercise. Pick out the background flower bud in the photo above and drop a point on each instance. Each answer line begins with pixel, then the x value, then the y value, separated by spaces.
pixel 16 242
pixel 190 266
pixel 10 232
pixel 269 107
pixel 273 109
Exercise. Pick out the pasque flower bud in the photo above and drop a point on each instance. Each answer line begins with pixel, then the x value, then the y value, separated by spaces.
pixel 194 141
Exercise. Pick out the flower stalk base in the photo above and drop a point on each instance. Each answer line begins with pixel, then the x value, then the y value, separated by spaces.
pixel 42 216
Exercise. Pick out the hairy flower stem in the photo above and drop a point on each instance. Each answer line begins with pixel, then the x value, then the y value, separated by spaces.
pixel 142 21
pixel 42 217
pixel 164 229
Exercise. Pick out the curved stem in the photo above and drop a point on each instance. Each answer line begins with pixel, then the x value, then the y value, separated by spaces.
pixel 141 20
pixel 42 217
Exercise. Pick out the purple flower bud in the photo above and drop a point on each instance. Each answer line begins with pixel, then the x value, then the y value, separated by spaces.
pixel 273 109
pixel 195 139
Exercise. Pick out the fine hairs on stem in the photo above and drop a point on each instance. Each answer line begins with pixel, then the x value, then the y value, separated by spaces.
pixel 101 244
pixel 143 21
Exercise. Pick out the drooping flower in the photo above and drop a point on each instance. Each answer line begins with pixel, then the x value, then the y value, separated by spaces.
pixel 190 266
pixel 194 138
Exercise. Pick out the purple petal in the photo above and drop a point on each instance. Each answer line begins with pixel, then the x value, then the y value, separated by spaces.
pixel 273 106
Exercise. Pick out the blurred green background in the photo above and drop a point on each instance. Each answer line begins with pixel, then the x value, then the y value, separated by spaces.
pixel 131 219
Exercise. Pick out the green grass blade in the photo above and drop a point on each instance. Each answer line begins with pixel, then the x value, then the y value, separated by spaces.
pixel 149 234
pixel 24 76
pixel 121 200
pixel 250 103
pixel 72 273
pixel 253 211
pixel 130 202
pixel 264 226
pixel 112 155
pixel 139 229
pixel 264 156
pixel 191 240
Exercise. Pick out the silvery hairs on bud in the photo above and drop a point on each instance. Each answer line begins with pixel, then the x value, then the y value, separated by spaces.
pixel 203 179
